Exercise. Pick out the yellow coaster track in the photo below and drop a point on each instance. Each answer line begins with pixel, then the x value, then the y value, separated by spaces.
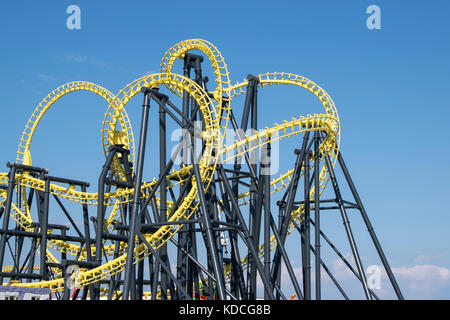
pixel 116 129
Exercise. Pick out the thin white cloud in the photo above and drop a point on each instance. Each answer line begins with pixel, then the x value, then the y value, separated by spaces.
pixel 45 77
pixel 75 57
pixel 422 281
pixel 85 59
pixel 424 273
pixel 433 258
pixel 426 281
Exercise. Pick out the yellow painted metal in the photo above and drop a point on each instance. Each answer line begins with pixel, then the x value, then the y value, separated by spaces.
pixel 126 133
pixel 207 166
pixel 117 129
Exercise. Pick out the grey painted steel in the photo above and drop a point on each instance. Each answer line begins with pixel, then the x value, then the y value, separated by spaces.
pixel 317 263
pixel 307 258
pixel 163 265
pixel 370 228
pixel 286 218
pixel 341 256
pixel 255 192
pixel 286 259
pixel 247 238
pixel 237 279
pixel 267 212
pixel 336 283
pixel 205 270
pixel 206 228
pixel 348 229
pixel 6 213
pixel 99 222
pixel 137 192
pixel 211 244
pixel 164 281
pixel 43 230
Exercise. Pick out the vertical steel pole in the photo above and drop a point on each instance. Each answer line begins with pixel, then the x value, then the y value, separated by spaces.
pixel 32 253
pixel 237 167
pixel 44 230
pixel 300 231
pixel 317 214
pixel 87 233
pixel 307 266
pixel 95 292
pixel 247 239
pixel 292 189
pixel 137 192
pixel 267 213
pixel 140 274
pixel 183 236
pixel 255 191
pixel 211 244
pixel 163 193
pixel 237 282
pixel 185 109
pixel 6 213
pixel 155 278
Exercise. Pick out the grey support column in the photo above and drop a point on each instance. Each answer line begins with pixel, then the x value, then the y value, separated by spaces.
pixel 370 228
pixel 210 243
pixel 307 258
pixel 137 192
pixel 348 229
pixel 317 214
pixel 247 239
pixel 43 230
pixel 6 215
pixel 267 212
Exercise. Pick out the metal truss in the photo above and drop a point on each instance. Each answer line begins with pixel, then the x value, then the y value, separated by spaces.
pixel 208 226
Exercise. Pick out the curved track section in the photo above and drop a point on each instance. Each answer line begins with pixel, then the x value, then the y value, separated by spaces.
pixel 124 135
pixel 206 164
pixel 215 110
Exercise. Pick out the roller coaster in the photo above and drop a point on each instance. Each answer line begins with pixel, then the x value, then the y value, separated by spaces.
pixel 205 227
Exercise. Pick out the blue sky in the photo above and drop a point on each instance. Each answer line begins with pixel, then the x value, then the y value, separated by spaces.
pixel 388 85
